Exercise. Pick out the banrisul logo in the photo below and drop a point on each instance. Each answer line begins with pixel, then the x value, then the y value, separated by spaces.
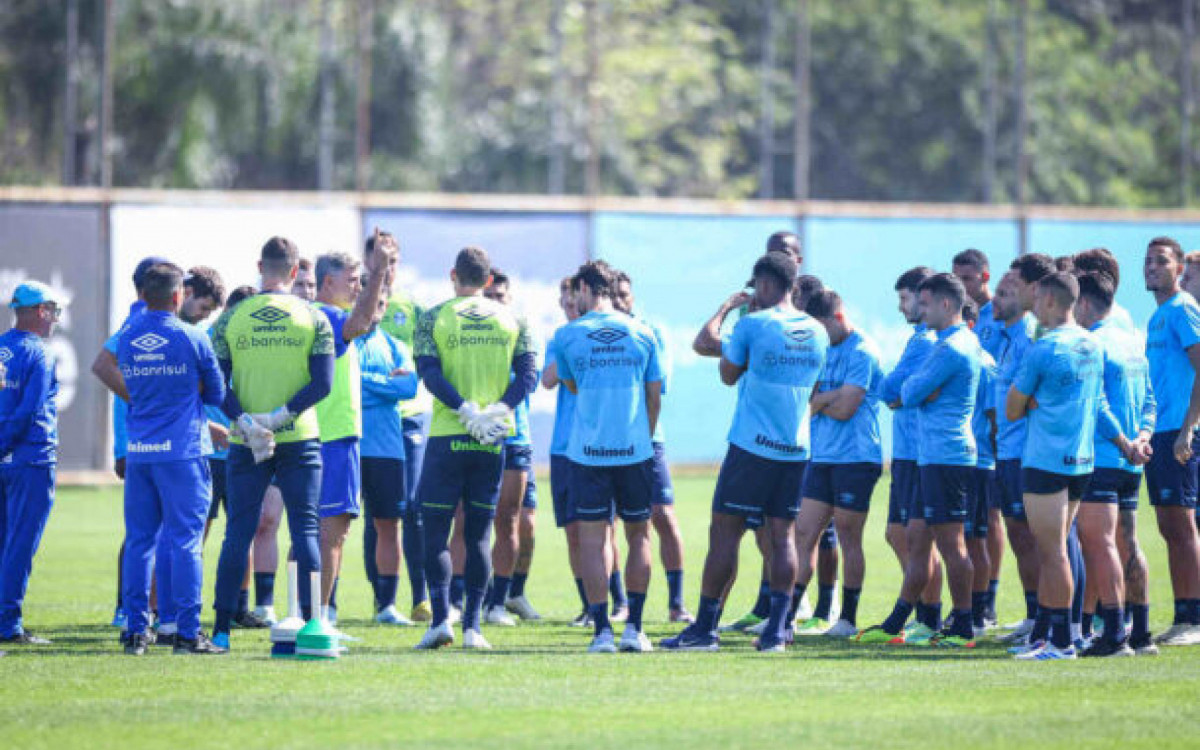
pixel 474 314
pixel 269 315
pixel 148 342
pixel 607 336
pixel 800 335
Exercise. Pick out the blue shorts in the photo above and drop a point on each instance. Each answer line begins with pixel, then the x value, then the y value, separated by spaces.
pixel 560 490
pixel 980 501
pixel 459 468
pixel 1169 482
pixel 903 489
pixel 1039 482
pixel 944 493
pixel 1009 493
pixel 845 486
pixel 341 480
pixel 664 490
pixel 1114 486
pixel 384 493
pixel 598 492
pixel 217 468
pixel 518 457
pixel 529 502
pixel 756 488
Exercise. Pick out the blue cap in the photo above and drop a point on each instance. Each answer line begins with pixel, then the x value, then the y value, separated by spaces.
pixel 139 273
pixel 32 293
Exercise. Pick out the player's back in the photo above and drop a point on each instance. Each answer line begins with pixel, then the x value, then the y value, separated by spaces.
pixel 1173 328
pixel 22 358
pixel 1126 387
pixel 1063 370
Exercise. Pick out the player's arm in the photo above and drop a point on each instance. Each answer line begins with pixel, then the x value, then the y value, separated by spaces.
pixel 914 350
pixel 842 403
pixel 366 307
pixel 524 368
pixel 321 362
pixel 562 365
pixel 36 389
pixel 212 381
pixel 396 384
pixel 708 341
pixel 108 371
pixel 1020 401
pixel 735 352
pixel 429 364
pixel 653 403
pixel 220 344
pixel 927 381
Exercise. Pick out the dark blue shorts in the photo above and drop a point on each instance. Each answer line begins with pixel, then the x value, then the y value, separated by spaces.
pixel 460 469
pixel 983 486
pixel 518 457
pixel 944 493
pixel 341 482
pixel 1114 486
pixel 217 468
pixel 599 492
pixel 756 488
pixel 560 490
pixel 845 486
pixel 1169 482
pixel 903 490
pixel 529 502
pixel 384 492
pixel 664 490
pixel 1010 490
pixel 1039 482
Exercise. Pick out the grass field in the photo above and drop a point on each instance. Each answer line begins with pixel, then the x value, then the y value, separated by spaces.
pixel 539 688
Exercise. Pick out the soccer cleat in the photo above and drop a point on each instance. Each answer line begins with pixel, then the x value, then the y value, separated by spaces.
pixel 842 629
pixel 876 634
pixel 691 639
pixel 389 615
pixel 136 644
pixel 947 640
pixel 521 607
pixel 634 641
pixel 917 634
pixel 1023 648
pixel 473 639
pixel 165 639
pixel 756 629
pixel 681 615
pixel 1143 646
pixel 1047 652
pixel 266 613
pixel 437 636
pixel 805 610
pixel 620 613
pixel 421 612
pixel 201 645
pixel 603 644
pixel 989 619
pixel 766 645
pixel 1017 632
pixel 498 615
pixel 330 614
pixel 221 640
pixel 249 621
pixel 455 616
pixel 1102 647
pixel 742 624
pixel 1179 635
pixel 812 626
pixel 584 620
pixel 119 619
pixel 25 638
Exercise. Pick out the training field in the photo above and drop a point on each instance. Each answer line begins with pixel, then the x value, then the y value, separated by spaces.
pixel 538 687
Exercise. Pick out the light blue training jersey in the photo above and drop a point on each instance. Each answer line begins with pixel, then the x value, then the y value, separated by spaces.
pixel 379 355
pixel 1126 389
pixel 944 391
pixel 987 328
pixel 1174 327
pixel 985 409
pixel 904 420
pixel 855 362
pixel 564 408
pixel 610 357
pixel 1015 340
pixel 783 351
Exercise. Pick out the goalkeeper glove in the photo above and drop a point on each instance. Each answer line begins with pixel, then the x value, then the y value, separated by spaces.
pixel 259 439
pixel 496 423
pixel 276 420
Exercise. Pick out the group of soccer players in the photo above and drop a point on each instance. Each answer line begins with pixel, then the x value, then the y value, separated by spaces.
pixel 328 393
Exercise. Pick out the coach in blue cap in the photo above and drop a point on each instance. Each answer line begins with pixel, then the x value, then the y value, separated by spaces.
pixel 28 448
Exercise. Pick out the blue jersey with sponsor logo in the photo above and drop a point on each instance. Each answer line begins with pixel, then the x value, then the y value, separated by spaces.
pixel 1064 371
pixel 1015 340
pixel 28 412
pixel 171 372
pixel 1126 389
pixel 783 351
pixel 610 357
pixel 854 361
pixel 564 409
pixel 904 420
pixel 944 391
pixel 1174 327
pixel 985 409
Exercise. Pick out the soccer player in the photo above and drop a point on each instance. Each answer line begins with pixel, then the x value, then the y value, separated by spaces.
pixel 1060 388
pixel 846 460
pixel 972 269
pixel 662 516
pixel 277 354
pixel 774 356
pixel 467 348
pixel 610 362
pixel 28 448
pixel 1171 474
pixel 1101 260
pixel 943 390
pixel 170 372
pixel 1014 300
pixel 351 309
pixel 980 506
pixel 1190 281
pixel 305 284
pixel 1116 480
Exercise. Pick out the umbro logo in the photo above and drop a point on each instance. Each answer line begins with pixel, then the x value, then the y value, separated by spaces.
pixel 148 342
pixel 269 314
pixel 607 336
pixel 474 315
pixel 5 354
pixel 800 335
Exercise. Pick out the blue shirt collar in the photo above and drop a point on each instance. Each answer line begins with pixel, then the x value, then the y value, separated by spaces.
pixel 948 332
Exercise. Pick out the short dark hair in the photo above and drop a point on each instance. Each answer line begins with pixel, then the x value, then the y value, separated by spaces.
pixel 970 311
pixel 971 257
pixel 622 277
pixel 779 266
pixel 279 255
pixel 1033 267
pixel 331 263
pixel 472 266
pixel 205 282
pixel 1065 263
pixel 912 279
pixel 499 277
pixel 784 242
pixel 824 304
pixel 1099 290
pixel 597 276
pixel 1099 260
pixel 160 282
pixel 1171 244
pixel 369 245
pixel 238 295
pixel 808 285
pixel 1063 286
pixel 304 264
pixel 947 286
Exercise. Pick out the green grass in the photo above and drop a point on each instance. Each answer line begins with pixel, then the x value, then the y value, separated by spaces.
pixel 539 688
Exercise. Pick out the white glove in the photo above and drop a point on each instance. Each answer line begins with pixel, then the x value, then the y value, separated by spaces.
pixel 259 439
pixel 468 414
pixel 276 420
pixel 496 423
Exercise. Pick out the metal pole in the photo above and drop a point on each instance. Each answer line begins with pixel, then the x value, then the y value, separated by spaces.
pixel 362 109
pixel 557 175
pixel 766 125
pixel 803 83
pixel 1022 127
pixel 991 94
pixel 70 94
pixel 325 101
pixel 106 92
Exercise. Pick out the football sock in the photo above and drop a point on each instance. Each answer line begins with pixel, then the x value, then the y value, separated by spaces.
pixel 500 588
pixel 1060 627
pixel 978 607
pixel 1113 632
pixel 224 621
pixel 777 615
pixel 1139 628
pixel 518 585
pixel 616 589
pixel 1078 574
pixel 582 594
pixel 474 596
pixel 708 614
pixel 264 589
pixel 412 540
pixel 637 602
pixel 850 604
pixel 385 591
pixel 1194 611
pixel 675 589
pixel 439 596
pixel 1181 612
pixel 797 595
pixel 1041 625
pixel 599 615
pixel 900 614
pixel 824 600
pixel 993 587
pixel 762 605
pixel 243 604
pixel 458 586
pixel 1031 605
pixel 1085 627
pixel 959 624
pixel 930 615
